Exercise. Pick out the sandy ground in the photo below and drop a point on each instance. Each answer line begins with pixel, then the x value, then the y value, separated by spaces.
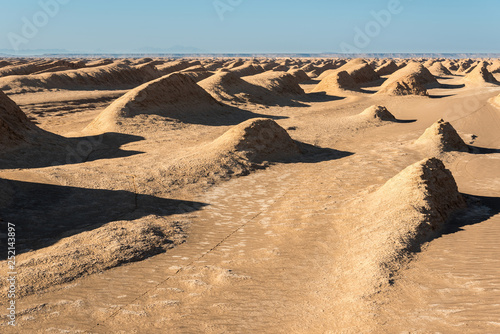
pixel 266 252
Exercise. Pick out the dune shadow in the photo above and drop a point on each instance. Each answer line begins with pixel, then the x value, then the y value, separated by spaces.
pixel 57 150
pixel 43 213
pixel 483 150
pixel 320 97
pixel 403 121
pixel 450 86
pixel 480 209
pixel 314 154
pixel 440 96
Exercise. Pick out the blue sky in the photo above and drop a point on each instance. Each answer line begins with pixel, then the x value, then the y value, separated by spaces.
pixel 253 26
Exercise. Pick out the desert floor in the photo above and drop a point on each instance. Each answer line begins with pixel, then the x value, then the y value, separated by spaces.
pixel 266 252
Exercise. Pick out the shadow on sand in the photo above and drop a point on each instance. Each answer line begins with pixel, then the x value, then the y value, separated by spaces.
pixel 43 213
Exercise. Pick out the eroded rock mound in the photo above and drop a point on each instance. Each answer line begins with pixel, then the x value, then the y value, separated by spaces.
pixel 240 150
pixel 397 219
pixel 175 96
pixel 360 71
pixel 279 83
pixel 387 68
pixel 15 128
pixel 116 76
pixel 441 137
pixel 413 79
pixel 480 75
pixel 378 113
pixel 438 69
pixel 337 82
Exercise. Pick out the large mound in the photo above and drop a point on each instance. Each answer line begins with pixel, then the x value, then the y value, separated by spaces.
pixel 248 68
pixel 360 71
pixel 480 75
pixel 336 83
pixel 175 96
pixel 116 76
pixel 227 86
pixel 413 79
pixel 441 137
pixel 237 152
pixel 397 219
pixel 439 70
pixel 279 83
pixel 387 68
pixel 15 128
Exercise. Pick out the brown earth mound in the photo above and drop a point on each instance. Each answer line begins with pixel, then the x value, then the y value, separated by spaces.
pixel 91 252
pixel 397 219
pixel 479 75
pixel 116 76
pixel 279 83
pixel 360 71
pixel 441 137
pixel 378 113
pixel 249 68
pixel 413 79
pixel 338 82
pixel 439 70
pixel 299 75
pixel 387 68
pixel 15 128
pixel 175 96
pixel 240 150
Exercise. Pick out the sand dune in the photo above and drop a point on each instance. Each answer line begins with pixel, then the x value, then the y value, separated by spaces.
pixel 413 79
pixel 175 96
pixel 441 137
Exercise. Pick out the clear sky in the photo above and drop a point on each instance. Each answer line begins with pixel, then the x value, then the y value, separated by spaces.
pixel 252 26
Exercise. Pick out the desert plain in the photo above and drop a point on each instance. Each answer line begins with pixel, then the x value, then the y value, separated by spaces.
pixel 251 195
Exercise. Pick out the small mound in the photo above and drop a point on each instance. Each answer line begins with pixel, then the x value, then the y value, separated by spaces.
pixel 279 83
pixel 175 96
pixel 413 79
pixel 379 113
pixel 237 152
pixel 442 137
pixel 15 128
pixel 338 82
pixel 480 75
pixel 360 71
pixel 387 68
pixel 439 70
